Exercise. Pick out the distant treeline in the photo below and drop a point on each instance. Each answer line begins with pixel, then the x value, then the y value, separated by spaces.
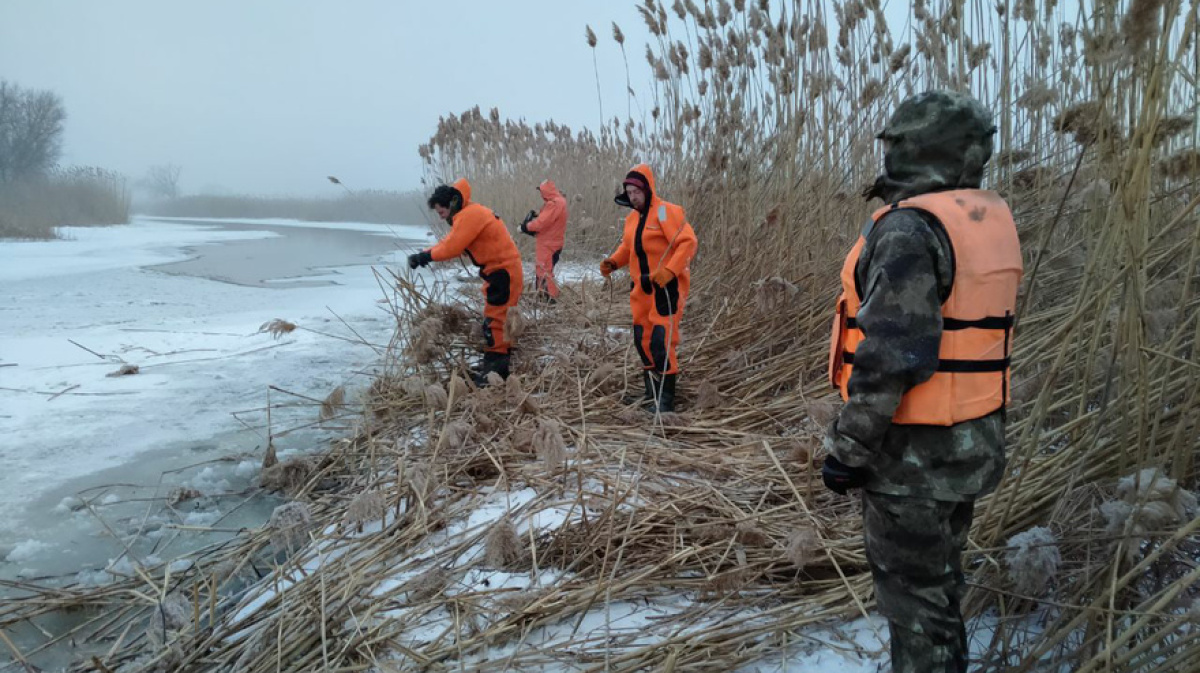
pixel 361 206
pixel 37 195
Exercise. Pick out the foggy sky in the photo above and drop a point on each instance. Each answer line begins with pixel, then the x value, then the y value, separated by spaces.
pixel 270 96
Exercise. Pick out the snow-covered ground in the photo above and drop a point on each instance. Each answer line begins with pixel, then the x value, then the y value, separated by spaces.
pixel 458 553
pixel 74 311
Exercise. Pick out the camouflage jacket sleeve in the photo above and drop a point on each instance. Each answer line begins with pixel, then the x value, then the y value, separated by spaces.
pixel 904 272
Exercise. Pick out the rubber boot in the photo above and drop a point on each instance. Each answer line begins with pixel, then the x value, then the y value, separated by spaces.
pixel 654 384
pixel 647 396
pixel 501 365
pixel 663 401
pixel 480 367
pixel 492 362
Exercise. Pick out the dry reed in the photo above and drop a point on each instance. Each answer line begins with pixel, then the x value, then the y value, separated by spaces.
pixel 277 327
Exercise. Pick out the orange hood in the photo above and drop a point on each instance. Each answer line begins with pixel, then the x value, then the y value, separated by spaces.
pixel 645 171
pixel 548 190
pixel 464 188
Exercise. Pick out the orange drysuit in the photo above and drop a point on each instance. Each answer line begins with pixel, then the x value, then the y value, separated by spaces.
pixel 659 238
pixel 481 234
pixel 550 229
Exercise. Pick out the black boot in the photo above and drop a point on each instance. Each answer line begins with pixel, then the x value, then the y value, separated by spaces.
pixel 492 362
pixel 663 401
pixel 501 365
pixel 479 368
pixel 654 384
pixel 647 396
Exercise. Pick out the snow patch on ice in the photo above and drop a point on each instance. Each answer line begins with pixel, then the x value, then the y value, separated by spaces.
pixel 201 518
pixel 26 551
pixel 92 578
pixel 210 482
pixel 246 469
pixel 67 505
pixel 126 567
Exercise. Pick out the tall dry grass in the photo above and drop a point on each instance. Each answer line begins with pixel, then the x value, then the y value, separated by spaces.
pixel 761 122
pixel 761 117
pixel 505 161
pixel 76 196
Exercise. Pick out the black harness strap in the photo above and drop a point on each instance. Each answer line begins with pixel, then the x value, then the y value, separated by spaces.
pixel 954 324
pixel 956 366
pixel 997 323
pixel 1010 318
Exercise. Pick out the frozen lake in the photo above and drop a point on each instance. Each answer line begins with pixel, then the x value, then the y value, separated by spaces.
pixel 183 300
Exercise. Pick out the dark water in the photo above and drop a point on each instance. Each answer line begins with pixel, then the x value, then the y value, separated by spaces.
pixel 285 260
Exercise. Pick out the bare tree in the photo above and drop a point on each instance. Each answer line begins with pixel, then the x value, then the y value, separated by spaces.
pixel 31 128
pixel 162 181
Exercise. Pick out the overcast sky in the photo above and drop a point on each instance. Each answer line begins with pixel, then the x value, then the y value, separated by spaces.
pixel 270 96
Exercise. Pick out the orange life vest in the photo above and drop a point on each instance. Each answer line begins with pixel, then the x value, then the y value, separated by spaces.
pixel 973 376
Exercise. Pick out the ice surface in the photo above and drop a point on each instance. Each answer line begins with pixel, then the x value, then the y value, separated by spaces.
pixel 76 309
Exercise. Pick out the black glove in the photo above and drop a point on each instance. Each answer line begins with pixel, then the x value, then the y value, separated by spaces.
pixel 524 223
pixel 839 477
pixel 422 258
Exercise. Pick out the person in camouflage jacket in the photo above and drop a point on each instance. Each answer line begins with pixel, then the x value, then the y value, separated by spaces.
pixel 919 482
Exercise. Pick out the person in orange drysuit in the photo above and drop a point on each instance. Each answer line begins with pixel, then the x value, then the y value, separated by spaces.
pixel 481 234
pixel 549 228
pixel 658 245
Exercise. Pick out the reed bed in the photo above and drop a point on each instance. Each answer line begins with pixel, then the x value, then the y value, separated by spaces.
pixel 78 196
pixel 542 523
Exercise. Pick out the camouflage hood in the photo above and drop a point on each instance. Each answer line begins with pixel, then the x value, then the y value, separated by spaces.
pixel 939 140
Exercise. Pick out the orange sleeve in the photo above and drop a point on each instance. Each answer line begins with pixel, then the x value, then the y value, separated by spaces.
pixel 684 243
pixel 463 233
pixel 551 212
pixel 621 254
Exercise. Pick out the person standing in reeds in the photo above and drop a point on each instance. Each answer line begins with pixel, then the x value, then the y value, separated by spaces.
pixel 658 245
pixel 481 234
pixel 921 349
pixel 549 229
